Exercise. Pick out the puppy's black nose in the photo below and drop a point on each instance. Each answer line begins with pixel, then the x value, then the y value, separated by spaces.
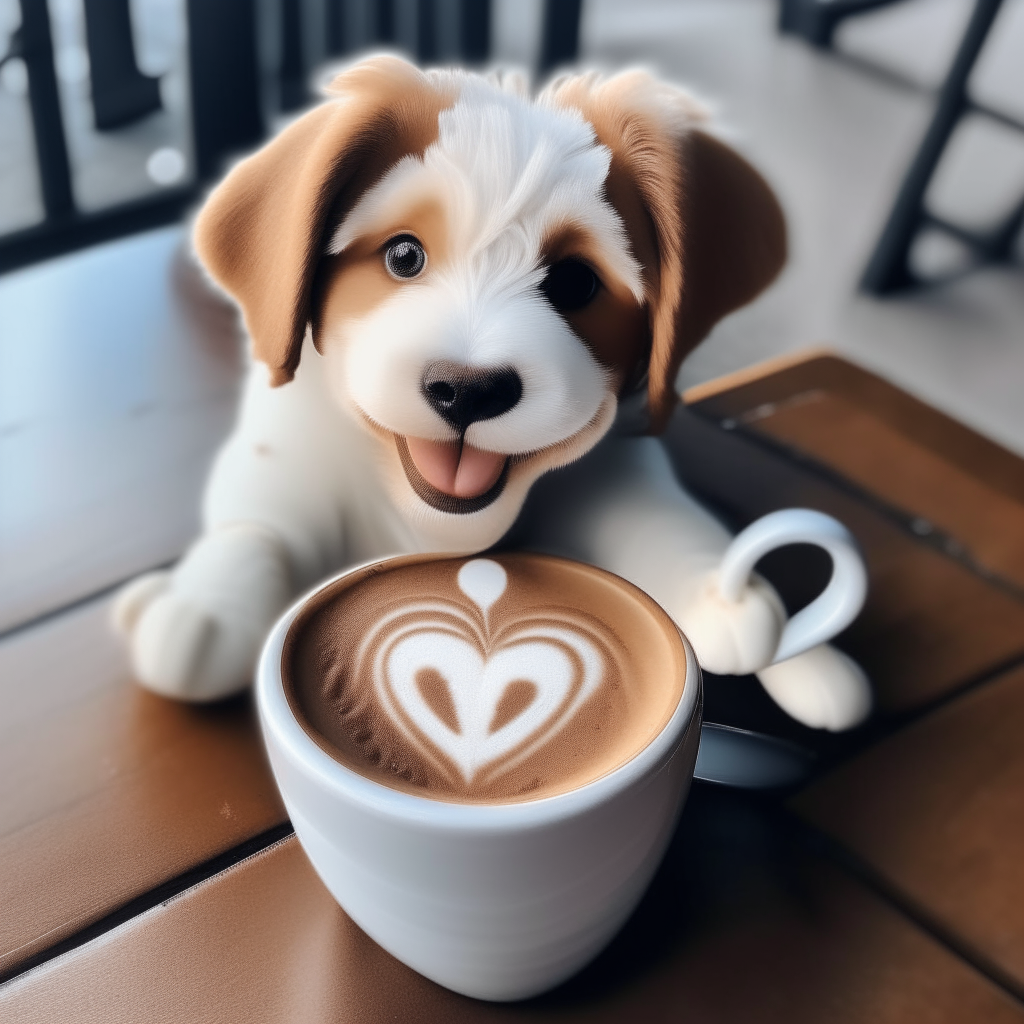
pixel 464 394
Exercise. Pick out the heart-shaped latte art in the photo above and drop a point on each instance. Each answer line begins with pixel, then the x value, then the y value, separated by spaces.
pixel 476 686
pixel 560 666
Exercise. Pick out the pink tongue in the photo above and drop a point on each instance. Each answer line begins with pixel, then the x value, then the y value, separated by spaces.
pixel 475 473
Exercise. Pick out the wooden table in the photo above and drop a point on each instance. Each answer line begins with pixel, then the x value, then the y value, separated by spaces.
pixel 147 871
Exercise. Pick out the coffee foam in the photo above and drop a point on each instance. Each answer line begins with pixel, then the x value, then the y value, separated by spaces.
pixel 482 680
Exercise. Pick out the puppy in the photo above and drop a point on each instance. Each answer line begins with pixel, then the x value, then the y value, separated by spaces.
pixel 457 297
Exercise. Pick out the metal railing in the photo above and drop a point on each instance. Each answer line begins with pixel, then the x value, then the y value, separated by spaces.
pixel 227 115
pixel 246 60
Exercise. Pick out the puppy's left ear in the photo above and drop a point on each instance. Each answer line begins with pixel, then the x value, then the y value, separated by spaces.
pixel 703 223
pixel 734 245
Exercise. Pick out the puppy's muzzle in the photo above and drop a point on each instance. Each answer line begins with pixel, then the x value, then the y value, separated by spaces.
pixel 463 395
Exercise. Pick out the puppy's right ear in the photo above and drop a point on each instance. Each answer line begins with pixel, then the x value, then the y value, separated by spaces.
pixel 704 224
pixel 263 230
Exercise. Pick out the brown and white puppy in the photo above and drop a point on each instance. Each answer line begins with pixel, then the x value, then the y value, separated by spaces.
pixel 450 288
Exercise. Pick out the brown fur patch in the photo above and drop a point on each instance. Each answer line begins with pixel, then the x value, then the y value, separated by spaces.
pixel 263 230
pixel 356 281
pixel 613 325
pixel 704 225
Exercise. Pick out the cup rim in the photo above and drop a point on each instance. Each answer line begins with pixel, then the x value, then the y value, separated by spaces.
pixel 283 732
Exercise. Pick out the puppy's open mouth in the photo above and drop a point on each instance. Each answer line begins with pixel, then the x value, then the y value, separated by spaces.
pixel 452 477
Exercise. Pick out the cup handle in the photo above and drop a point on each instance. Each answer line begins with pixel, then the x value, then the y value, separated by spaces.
pixel 834 608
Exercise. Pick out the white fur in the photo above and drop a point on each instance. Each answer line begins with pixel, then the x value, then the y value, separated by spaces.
pixel 509 170
pixel 506 173
pixel 309 481
pixel 381 362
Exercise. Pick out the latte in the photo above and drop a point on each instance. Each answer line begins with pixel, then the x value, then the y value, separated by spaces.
pixel 484 680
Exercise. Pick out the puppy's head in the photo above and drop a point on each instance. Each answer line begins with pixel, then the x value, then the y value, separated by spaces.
pixel 485 276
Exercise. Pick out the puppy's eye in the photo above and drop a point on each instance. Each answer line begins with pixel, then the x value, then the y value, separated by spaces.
pixel 570 284
pixel 404 257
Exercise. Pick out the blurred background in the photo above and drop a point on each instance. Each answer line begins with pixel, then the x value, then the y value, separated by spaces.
pixel 893 133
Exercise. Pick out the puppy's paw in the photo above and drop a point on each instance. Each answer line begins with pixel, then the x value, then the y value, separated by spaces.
pixel 195 633
pixel 731 637
pixel 133 599
pixel 173 652
pixel 822 688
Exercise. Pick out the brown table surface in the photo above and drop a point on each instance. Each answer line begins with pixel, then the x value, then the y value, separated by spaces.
pixel 127 370
pixel 147 872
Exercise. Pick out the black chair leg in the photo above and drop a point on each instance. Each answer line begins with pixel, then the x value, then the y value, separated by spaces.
pixel 1003 240
pixel 121 94
pixel 227 102
pixel 560 43
pixel 294 89
pixel 889 269
pixel 816 21
pixel 34 44
pixel 476 30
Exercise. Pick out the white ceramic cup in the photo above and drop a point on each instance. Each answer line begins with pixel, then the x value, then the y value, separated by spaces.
pixel 834 608
pixel 497 901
